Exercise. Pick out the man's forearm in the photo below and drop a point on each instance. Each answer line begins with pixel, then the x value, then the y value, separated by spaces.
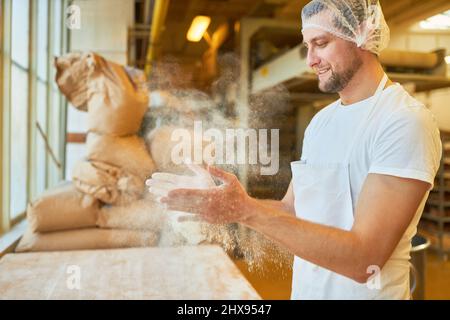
pixel 335 249
pixel 276 204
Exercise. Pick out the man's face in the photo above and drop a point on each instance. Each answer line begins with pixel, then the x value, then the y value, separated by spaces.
pixel 334 60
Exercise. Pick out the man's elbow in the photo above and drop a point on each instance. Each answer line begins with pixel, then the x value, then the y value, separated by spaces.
pixel 367 270
pixel 360 277
pixel 366 262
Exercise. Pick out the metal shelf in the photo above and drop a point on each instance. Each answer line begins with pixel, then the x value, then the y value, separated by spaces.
pixel 434 202
pixel 439 189
pixel 432 217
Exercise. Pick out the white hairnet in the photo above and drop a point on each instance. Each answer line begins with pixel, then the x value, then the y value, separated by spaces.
pixel 359 21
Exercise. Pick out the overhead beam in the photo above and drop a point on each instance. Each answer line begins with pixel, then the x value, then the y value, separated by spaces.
pixel 421 10
pixel 158 20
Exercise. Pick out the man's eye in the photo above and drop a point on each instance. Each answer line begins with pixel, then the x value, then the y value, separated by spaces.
pixel 322 44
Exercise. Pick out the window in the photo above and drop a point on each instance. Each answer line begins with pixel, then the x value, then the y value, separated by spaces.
pixel 55 113
pixel 20 30
pixel 438 22
pixel 32 109
pixel 41 93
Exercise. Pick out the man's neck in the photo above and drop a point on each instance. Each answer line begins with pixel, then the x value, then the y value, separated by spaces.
pixel 363 84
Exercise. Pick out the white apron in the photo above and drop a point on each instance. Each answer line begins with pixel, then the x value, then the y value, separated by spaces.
pixel 322 195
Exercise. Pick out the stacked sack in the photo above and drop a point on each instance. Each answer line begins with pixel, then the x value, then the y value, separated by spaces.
pixel 114 172
pixel 115 99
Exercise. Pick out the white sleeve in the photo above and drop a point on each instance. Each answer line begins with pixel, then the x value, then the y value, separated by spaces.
pixel 408 146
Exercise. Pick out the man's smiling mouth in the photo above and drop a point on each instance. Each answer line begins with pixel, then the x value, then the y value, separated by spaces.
pixel 322 71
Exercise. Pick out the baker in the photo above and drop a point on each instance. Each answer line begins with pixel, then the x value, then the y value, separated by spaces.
pixel 368 163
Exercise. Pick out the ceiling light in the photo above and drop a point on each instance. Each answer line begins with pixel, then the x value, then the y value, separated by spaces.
pixel 198 28
pixel 447 59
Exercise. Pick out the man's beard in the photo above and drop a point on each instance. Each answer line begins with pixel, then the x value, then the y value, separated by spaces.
pixel 338 81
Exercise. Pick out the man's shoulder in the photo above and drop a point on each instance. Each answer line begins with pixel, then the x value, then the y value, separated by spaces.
pixel 400 106
pixel 397 96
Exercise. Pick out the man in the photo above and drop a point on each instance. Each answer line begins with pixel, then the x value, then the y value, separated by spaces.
pixel 368 163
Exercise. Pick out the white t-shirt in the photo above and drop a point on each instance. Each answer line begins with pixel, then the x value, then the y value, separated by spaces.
pixel 401 139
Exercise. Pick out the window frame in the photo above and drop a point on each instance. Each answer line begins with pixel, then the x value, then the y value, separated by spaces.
pixel 58 134
pixel 5 43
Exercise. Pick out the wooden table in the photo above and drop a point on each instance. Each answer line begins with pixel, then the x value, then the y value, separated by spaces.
pixel 197 272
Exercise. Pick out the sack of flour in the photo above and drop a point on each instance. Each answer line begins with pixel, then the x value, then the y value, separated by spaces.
pixel 143 214
pixel 107 183
pixel 62 207
pixel 116 97
pixel 128 153
pixel 172 147
pixel 86 239
pixel 116 104
pixel 72 77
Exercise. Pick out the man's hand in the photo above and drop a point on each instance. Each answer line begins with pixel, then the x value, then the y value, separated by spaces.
pixel 161 183
pixel 226 203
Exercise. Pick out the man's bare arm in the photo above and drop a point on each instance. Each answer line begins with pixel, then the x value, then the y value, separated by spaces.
pixel 286 204
pixel 385 208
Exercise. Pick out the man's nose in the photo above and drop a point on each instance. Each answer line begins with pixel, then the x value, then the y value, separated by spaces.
pixel 312 59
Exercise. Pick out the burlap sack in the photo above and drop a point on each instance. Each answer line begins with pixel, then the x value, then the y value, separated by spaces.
pixel 166 148
pixel 72 74
pixel 116 105
pixel 182 233
pixel 147 214
pixel 116 97
pixel 143 214
pixel 85 239
pixel 128 153
pixel 62 207
pixel 107 183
